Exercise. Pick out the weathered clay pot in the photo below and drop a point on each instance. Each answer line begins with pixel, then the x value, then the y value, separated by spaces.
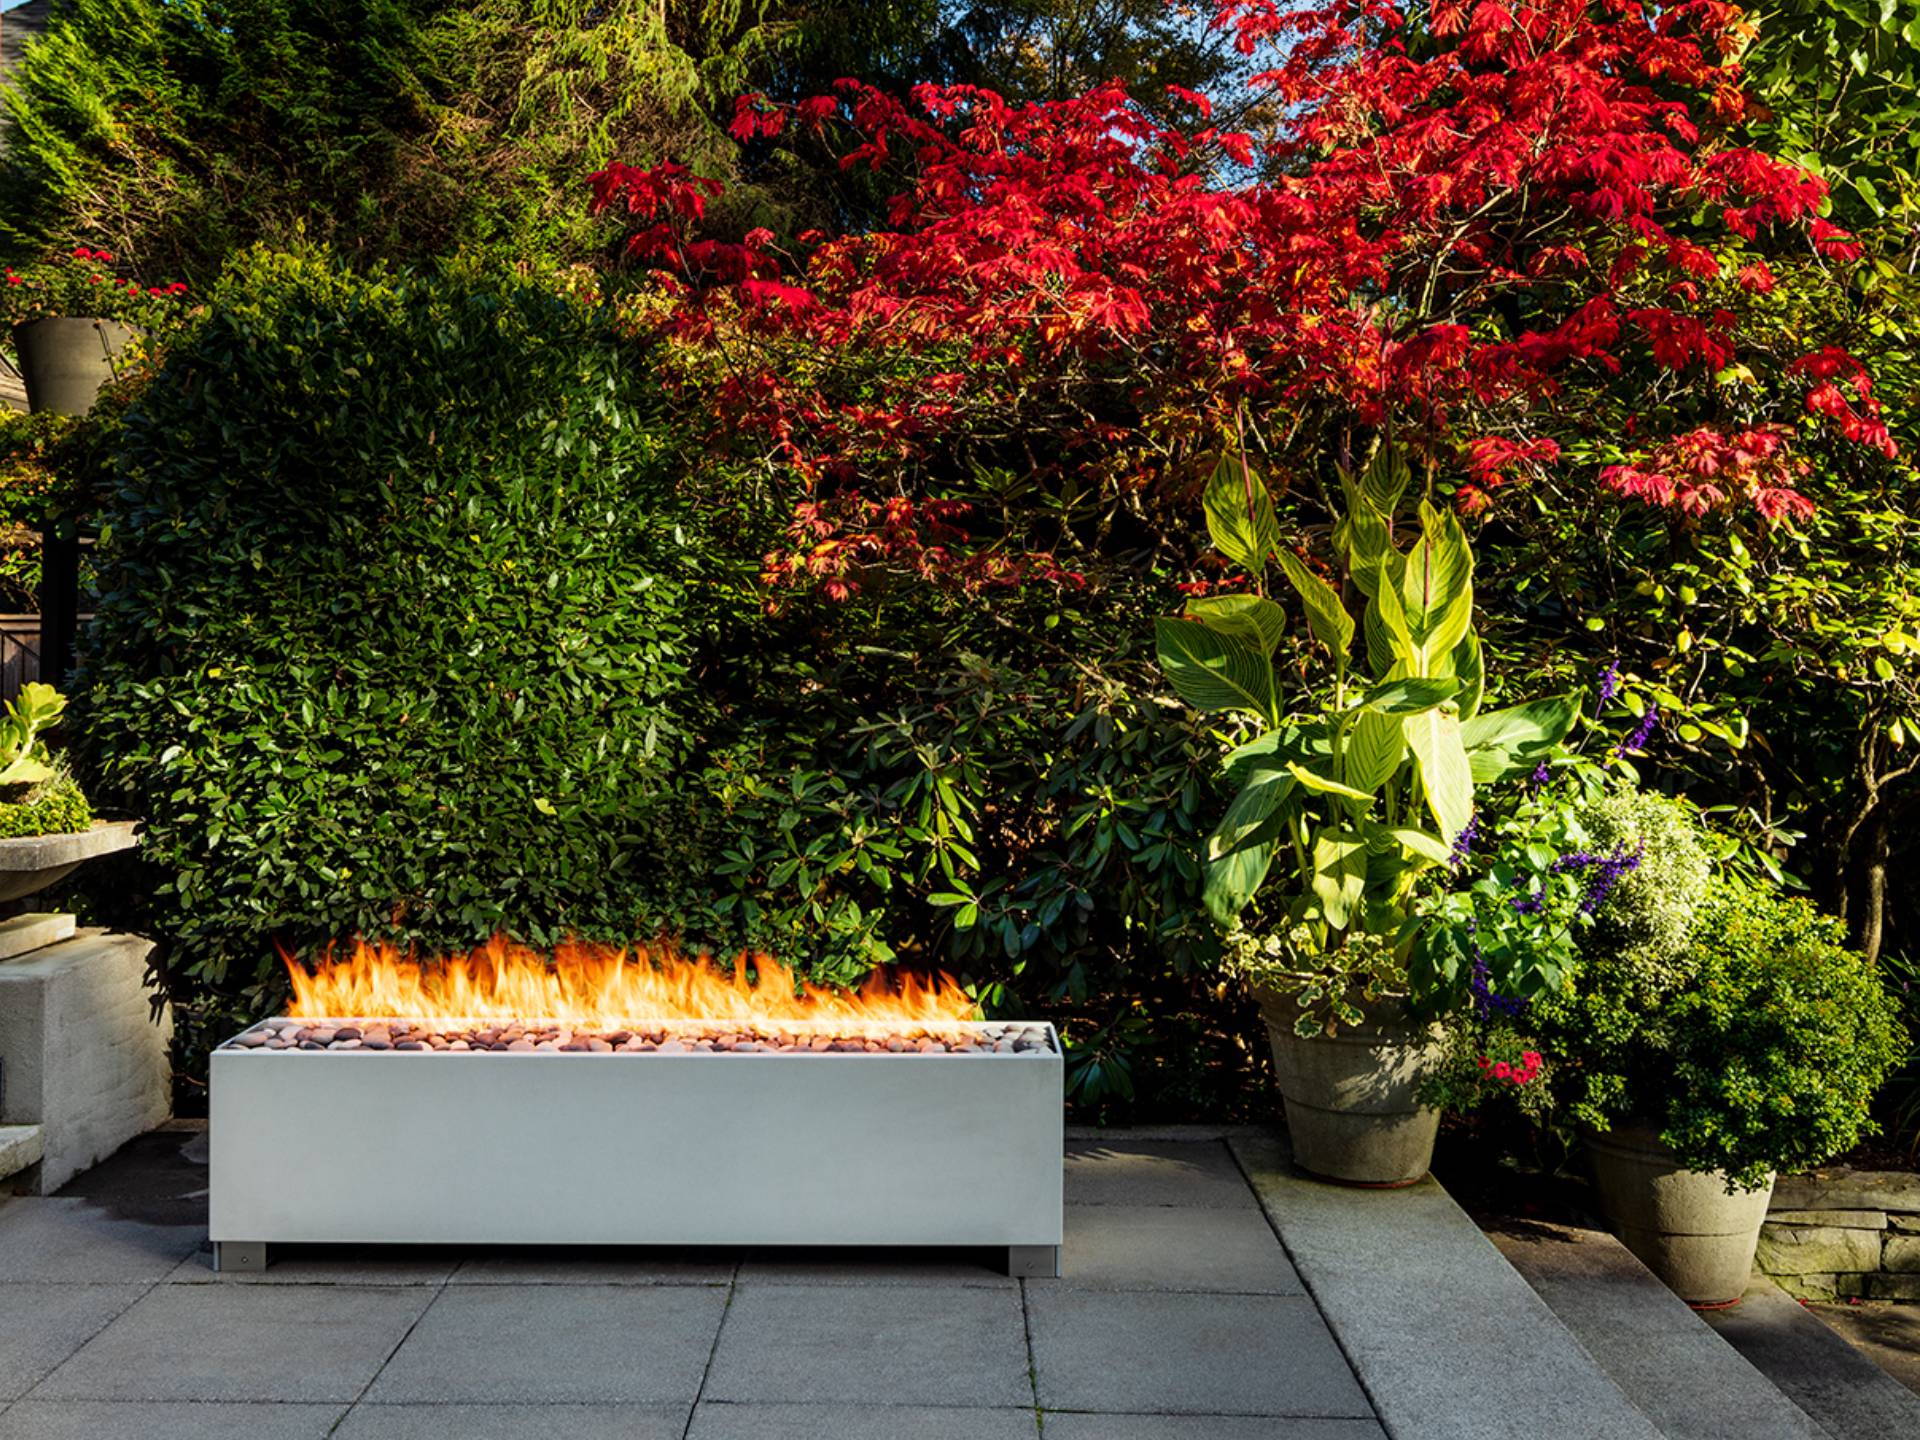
pixel 1350 1098
pixel 64 361
pixel 1682 1223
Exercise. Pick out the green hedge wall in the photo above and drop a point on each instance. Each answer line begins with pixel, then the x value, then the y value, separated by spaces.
pixel 392 637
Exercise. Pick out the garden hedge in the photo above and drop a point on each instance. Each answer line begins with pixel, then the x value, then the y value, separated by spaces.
pixel 392 633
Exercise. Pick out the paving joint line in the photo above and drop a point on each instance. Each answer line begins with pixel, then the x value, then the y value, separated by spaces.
pixel 381 1369
pixel 98 1330
pixel 1306 1285
pixel 713 1350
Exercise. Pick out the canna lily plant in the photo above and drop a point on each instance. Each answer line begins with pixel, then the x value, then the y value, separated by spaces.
pixel 1364 782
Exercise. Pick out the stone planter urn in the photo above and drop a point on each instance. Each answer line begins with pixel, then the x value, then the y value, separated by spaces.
pixel 1682 1223
pixel 65 360
pixel 1351 1098
pixel 31 863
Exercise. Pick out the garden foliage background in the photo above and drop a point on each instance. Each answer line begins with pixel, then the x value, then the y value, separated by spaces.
pixel 466 568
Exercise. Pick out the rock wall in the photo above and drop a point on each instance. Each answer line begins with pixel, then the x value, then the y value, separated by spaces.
pixel 1844 1234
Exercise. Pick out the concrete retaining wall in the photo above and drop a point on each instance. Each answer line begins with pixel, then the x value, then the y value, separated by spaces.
pixel 80 1053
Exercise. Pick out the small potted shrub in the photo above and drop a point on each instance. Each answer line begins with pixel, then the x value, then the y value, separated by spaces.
pixel 71 317
pixel 39 799
pixel 1757 1046
pixel 1347 791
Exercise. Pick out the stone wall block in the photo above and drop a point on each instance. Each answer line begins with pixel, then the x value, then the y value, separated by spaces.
pixel 1816 1249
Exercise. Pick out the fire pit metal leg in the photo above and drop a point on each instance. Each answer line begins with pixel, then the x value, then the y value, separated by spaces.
pixel 1033 1262
pixel 239 1257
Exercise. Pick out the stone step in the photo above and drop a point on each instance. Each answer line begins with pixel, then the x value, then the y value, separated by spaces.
pixel 20 1146
pixel 1686 1379
pixel 1449 1341
pixel 1815 1367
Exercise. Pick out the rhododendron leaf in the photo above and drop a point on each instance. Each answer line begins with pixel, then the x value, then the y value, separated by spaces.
pixel 1212 671
pixel 1332 626
pixel 1251 617
pixel 1240 514
pixel 1445 773
pixel 1503 742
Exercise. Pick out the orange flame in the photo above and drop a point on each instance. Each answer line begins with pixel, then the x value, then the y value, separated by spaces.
pixel 610 986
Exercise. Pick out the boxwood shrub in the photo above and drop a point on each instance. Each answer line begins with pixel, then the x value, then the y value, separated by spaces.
pixel 392 637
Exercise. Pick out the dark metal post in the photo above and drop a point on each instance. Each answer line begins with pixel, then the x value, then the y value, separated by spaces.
pixel 59 597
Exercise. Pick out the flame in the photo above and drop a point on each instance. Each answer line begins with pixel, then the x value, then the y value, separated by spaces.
pixel 610 986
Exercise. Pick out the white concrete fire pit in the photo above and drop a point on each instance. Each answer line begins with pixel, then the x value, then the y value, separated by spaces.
pixel 671 1133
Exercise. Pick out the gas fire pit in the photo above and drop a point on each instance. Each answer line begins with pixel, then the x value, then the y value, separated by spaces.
pixel 631 1098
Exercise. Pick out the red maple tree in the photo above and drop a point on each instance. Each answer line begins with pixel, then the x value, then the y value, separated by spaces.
pixel 1470 210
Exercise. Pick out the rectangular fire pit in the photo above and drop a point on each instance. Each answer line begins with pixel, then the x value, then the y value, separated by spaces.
pixel 489 1133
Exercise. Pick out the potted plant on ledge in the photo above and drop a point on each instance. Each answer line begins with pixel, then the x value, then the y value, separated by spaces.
pixel 46 826
pixel 1762 1053
pixel 1351 789
pixel 71 318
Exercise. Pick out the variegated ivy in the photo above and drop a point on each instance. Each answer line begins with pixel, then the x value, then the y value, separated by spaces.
pixel 1366 780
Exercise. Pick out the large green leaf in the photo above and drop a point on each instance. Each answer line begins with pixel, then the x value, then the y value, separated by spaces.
pixel 1366 539
pixel 1386 479
pixel 1422 843
pixel 1438 586
pixel 1240 512
pixel 1339 874
pixel 1445 774
pixel 1240 851
pixel 1258 756
pixel 1251 617
pixel 1472 670
pixel 1387 615
pixel 1504 742
pixel 1410 695
pixel 1212 671
pixel 1374 748
pixel 1332 626
pixel 1326 784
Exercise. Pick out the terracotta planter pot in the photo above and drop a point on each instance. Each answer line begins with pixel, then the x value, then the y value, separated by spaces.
pixel 65 361
pixel 1350 1098
pixel 1682 1223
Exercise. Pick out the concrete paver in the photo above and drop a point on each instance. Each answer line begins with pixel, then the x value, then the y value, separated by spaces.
pixel 1065 1426
pixel 214 1342
pixel 41 1325
pixel 873 1345
pixel 1122 1172
pixel 70 1240
pixel 853 1422
pixel 514 1422
pixel 181 1420
pixel 1175 1247
pixel 556 1344
pixel 1187 1354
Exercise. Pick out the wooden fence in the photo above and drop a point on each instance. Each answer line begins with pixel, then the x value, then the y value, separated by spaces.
pixel 19 652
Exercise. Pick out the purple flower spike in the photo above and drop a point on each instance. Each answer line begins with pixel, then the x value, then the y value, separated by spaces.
pixel 1609 684
pixel 1463 844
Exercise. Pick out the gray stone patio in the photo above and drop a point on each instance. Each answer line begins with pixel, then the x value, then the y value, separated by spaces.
pixel 1179 1317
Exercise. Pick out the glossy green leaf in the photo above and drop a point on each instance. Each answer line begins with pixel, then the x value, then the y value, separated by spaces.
pixel 1375 747
pixel 1326 785
pixel 1239 512
pixel 1332 626
pixel 1339 874
pixel 1212 671
pixel 1411 694
pixel 1251 617
pixel 1445 773
pixel 1503 742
